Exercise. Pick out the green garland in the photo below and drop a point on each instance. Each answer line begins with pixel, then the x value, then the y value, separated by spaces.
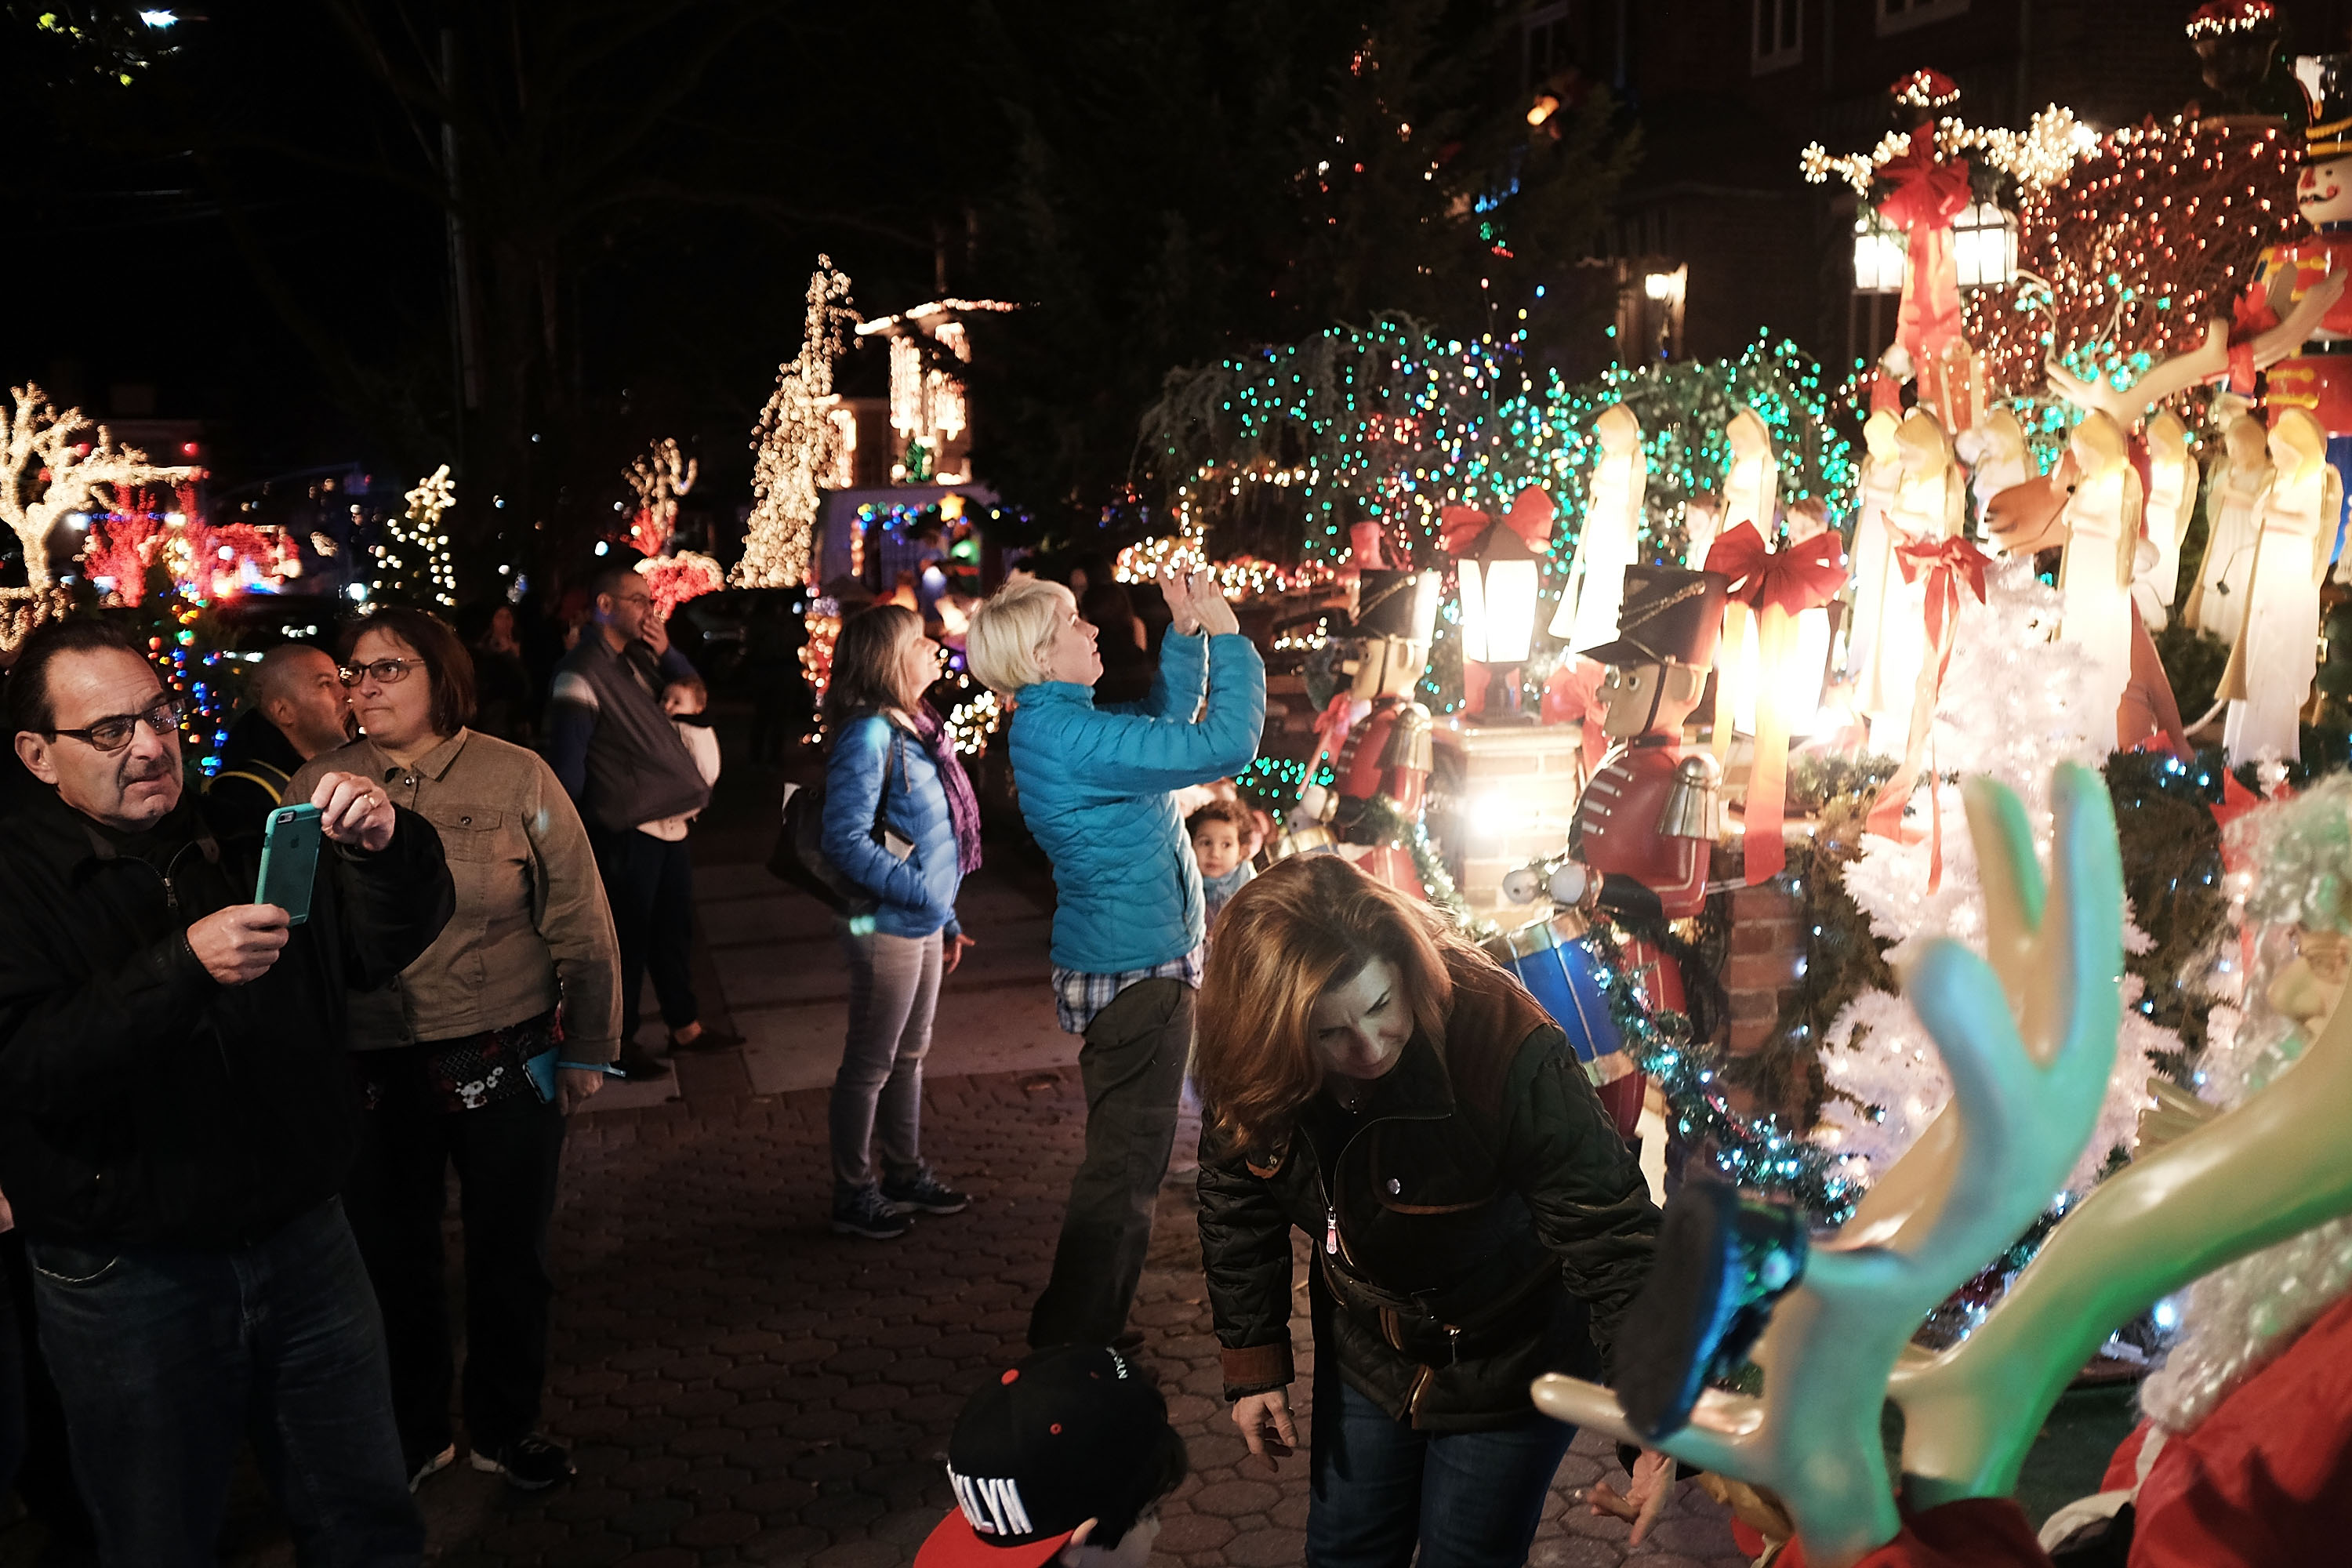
pixel 1387 824
pixel 1762 1154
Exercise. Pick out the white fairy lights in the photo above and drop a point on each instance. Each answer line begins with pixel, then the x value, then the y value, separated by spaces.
pixel 797 445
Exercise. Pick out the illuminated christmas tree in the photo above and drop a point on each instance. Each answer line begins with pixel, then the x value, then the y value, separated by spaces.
pixel 797 444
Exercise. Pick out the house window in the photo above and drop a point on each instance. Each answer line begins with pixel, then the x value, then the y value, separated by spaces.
pixel 1547 45
pixel 1902 15
pixel 1777 35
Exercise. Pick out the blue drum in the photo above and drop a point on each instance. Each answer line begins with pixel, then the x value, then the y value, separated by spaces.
pixel 1557 968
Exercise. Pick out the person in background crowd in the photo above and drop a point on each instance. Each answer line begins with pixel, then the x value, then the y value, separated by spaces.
pixel 474 1054
pixel 1127 667
pixel 176 1112
pixel 1493 1225
pixel 1217 830
pixel 503 689
pixel 621 762
pixel 1094 787
pixel 295 709
pixel 1261 829
pixel 773 636
pixel 892 764
pixel 1063 1458
pixel 683 700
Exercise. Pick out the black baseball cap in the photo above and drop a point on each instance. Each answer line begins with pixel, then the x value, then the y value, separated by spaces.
pixel 1071 1434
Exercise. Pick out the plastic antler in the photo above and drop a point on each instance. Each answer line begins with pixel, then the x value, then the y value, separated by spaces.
pixel 2177 373
pixel 2029 1038
pixel 2267 1171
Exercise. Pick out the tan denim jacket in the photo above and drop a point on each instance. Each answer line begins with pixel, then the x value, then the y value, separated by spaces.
pixel 531 927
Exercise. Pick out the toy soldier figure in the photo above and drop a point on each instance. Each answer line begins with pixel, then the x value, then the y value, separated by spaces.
pixel 1638 850
pixel 1380 772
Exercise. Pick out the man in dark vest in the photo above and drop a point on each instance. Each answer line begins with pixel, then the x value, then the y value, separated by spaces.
pixel 620 756
pixel 297 710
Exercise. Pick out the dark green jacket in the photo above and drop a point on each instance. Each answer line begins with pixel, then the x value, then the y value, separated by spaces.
pixel 1480 1222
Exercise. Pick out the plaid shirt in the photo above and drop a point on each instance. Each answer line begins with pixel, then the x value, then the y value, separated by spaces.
pixel 1078 996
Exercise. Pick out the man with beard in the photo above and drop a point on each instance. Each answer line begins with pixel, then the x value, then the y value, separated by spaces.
pixel 177 1114
pixel 297 709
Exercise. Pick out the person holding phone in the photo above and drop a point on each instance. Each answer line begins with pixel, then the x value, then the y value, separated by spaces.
pixel 892 762
pixel 176 1112
pixel 1097 788
pixel 473 1055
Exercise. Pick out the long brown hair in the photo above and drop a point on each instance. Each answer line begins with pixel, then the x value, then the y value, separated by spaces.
pixel 866 665
pixel 1307 925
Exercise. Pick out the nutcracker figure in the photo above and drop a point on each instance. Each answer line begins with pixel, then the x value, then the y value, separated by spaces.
pixel 1380 770
pixel 1639 848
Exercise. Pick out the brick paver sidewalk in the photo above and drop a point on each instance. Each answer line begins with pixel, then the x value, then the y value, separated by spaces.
pixel 743 1386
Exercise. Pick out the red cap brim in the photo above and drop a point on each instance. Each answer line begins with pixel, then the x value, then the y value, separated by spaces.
pixel 955 1544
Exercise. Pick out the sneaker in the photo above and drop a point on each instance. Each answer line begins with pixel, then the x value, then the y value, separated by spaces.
pixel 440 1461
pixel 529 1464
pixel 638 1065
pixel 868 1214
pixel 923 1193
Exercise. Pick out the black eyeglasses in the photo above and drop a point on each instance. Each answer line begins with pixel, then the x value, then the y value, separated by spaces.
pixel 385 670
pixel 111 734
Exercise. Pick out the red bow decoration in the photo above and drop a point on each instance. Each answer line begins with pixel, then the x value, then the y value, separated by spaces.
pixel 1804 576
pixel 1461 528
pixel 1928 194
pixel 1946 564
pixel 1776 587
pixel 2250 317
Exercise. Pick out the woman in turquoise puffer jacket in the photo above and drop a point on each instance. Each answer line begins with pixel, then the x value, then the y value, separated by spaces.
pixel 1096 790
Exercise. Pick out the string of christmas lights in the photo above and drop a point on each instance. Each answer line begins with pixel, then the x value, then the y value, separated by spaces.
pixel 2036 157
pixel 2123 263
pixel 659 475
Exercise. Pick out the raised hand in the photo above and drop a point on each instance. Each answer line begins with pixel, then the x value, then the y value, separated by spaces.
pixel 353 810
pixel 1216 616
pixel 1174 588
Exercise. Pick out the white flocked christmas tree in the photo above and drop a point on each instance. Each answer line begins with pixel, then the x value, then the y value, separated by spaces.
pixel 2013 707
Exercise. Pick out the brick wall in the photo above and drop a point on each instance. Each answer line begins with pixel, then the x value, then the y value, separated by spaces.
pixel 1766 946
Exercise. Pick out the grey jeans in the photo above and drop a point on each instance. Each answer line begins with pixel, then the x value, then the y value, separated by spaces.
pixel 1133 1067
pixel 878 1096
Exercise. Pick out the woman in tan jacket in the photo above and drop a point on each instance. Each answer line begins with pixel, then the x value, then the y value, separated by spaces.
pixel 476 1053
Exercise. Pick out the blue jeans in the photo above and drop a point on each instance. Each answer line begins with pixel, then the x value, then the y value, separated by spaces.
pixel 165 1357
pixel 1471 1499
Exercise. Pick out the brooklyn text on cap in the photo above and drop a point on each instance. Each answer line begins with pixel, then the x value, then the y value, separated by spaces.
pixel 1070 1434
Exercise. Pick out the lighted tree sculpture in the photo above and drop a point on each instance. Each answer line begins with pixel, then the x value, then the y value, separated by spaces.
pixel 796 442
pixel 52 469
pixel 659 476
pixel 414 565
pixel 2135 258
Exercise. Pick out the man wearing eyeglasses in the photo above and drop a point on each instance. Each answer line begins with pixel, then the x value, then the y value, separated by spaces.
pixel 621 760
pixel 177 1113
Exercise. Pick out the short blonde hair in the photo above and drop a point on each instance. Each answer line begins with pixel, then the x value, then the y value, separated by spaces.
pixel 1006 644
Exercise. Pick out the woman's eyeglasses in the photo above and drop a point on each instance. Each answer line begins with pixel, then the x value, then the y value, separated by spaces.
pixel 113 734
pixel 385 670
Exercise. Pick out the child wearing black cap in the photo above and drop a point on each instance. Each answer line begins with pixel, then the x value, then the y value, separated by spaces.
pixel 1062 1458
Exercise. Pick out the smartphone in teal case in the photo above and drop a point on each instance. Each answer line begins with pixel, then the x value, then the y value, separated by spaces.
pixel 290 860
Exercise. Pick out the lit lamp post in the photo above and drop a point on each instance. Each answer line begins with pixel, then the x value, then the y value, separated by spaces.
pixel 1664 292
pixel 1500 588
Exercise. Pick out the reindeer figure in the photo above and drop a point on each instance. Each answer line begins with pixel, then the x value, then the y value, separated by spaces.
pixel 2029 1038
pixel 2261 1173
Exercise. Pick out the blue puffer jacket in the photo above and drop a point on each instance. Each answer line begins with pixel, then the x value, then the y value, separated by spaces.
pixel 918 893
pixel 1095 785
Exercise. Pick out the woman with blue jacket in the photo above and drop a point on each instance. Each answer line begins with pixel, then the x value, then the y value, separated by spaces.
pixel 1096 790
pixel 900 821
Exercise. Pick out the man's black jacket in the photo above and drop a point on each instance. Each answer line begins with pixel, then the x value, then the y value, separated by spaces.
pixel 254 764
pixel 142 1102
pixel 1480 1222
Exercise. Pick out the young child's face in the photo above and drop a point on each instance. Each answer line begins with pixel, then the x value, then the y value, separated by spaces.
pixel 680 699
pixel 1218 847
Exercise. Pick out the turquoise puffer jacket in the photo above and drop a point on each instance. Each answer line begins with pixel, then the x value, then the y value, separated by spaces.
pixel 1095 789
pixel 918 893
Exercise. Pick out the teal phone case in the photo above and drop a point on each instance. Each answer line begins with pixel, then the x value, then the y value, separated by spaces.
pixel 290 860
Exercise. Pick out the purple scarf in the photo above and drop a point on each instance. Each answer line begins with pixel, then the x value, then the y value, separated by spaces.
pixel 963 806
